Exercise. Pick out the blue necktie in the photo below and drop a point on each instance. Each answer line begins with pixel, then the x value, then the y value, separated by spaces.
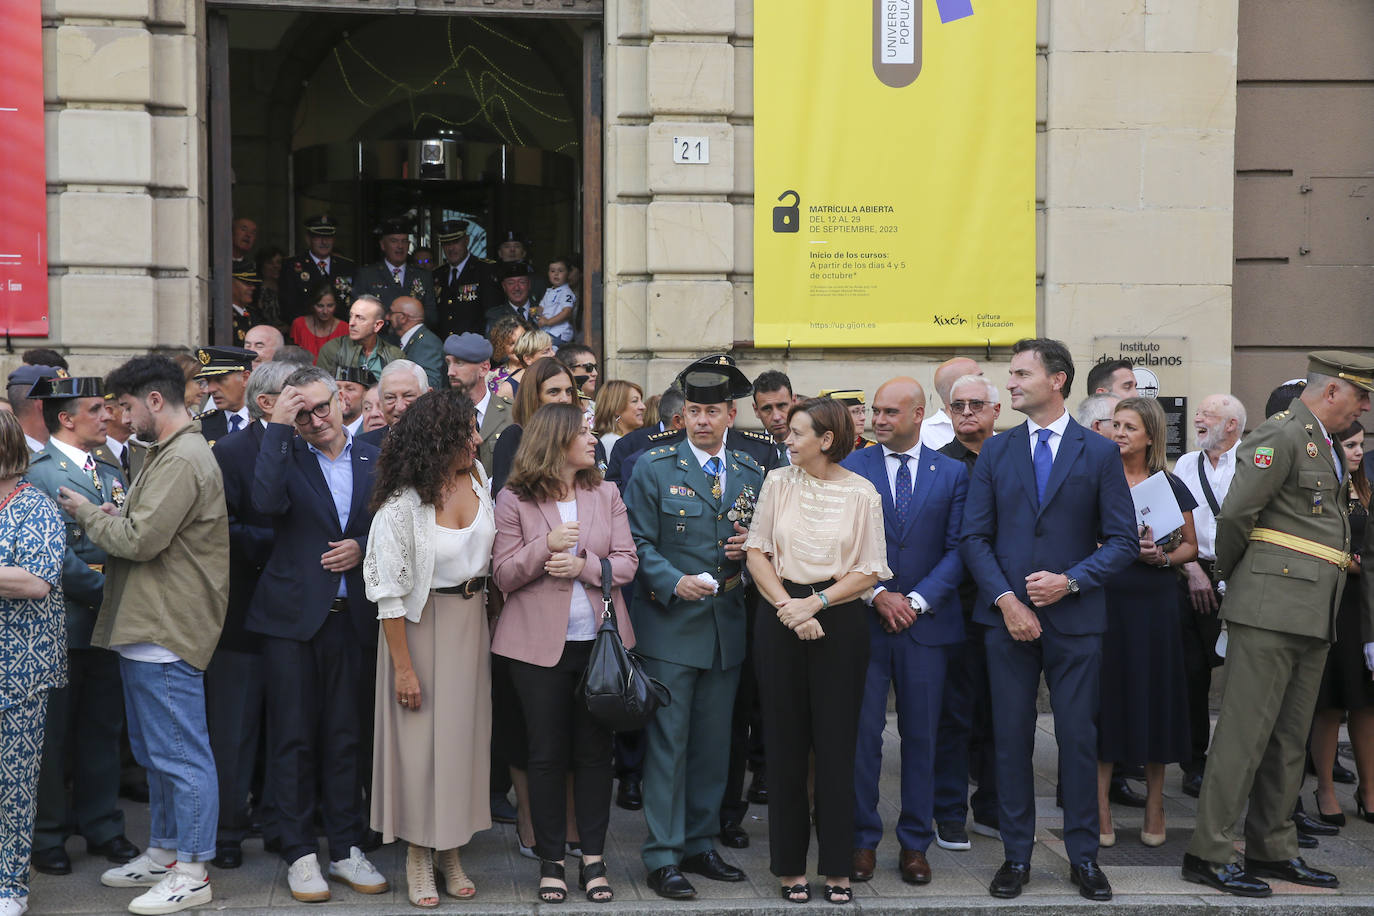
pixel 1043 459
pixel 903 495
pixel 713 468
pixel 234 421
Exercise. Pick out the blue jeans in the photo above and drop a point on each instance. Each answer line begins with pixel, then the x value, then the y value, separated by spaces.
pixel 165 707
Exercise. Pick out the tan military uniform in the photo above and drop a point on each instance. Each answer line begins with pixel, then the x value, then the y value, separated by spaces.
pixel 1283 544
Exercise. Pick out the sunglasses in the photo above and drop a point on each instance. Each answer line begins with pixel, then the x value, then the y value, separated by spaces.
pixel 970 406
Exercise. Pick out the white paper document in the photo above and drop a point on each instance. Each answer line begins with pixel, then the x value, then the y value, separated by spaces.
pixel 1156 506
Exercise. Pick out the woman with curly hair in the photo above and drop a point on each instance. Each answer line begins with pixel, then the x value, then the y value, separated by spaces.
pixel 503 336
pixel 428 559
pixel 528 348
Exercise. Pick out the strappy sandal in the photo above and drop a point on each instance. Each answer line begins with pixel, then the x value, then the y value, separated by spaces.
pixel 547 892
pixel 590 871
pixel 796 893
pixel 836 894
pixel 456 881
pixel 420 877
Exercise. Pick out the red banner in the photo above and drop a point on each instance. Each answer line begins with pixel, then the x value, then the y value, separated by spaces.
pixel 23 197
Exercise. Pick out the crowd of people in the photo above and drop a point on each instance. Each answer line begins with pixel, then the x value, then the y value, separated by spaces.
pixel 331 591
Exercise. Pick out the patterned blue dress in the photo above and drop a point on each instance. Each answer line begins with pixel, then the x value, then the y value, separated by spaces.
pixel 33 660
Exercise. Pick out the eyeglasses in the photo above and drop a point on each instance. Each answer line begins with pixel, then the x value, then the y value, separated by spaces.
pixel 585 367
pixel 320 412
pixel 970 406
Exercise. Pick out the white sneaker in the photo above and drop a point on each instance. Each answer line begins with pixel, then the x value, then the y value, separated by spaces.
pixel 358 873
pixel 307 884
pixel 14 906
pixel 140 872
pixel 176 891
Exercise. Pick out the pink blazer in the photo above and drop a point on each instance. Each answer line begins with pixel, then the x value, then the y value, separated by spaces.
pixel 534 622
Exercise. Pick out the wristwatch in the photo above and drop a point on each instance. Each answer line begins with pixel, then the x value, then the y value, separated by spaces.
pixel 915 605
pixel 1072 585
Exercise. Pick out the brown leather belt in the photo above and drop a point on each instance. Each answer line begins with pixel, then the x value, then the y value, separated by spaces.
pixel 466 589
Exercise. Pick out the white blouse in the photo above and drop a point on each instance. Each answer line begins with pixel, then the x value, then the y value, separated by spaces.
pixel 408 553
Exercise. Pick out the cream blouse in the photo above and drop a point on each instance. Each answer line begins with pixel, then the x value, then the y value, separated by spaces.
pixel 815 529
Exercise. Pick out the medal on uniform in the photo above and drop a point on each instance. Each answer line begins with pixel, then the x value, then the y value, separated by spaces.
pixel 716 487
pixel 743 509
pixel 1316 504
pixel 1311 450
pixel 117 494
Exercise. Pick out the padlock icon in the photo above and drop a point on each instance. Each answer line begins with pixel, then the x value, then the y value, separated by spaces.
pixel 788 219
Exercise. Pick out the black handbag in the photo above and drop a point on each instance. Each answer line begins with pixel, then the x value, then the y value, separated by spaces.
pixel 617 691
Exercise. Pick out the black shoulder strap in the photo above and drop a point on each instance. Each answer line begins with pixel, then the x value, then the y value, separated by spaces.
pixel 607 611
pixel 1206 487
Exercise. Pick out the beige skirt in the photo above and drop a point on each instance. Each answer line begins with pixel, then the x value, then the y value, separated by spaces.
pixel 431 766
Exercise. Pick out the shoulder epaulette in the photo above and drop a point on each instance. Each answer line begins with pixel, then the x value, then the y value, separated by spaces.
pixel 745 458
pixel 663 434
pixel 755 435
pixel 663 451
pixel 209 412
pixel 38 456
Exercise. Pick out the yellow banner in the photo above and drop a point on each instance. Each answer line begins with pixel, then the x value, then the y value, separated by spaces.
pixel 894 172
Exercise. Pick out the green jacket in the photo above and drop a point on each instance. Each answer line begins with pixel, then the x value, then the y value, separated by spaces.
pixel 680 530
pixel 1286 482
pixel 427 351
pixel 167 577
pixel 83 576
pixel 342 351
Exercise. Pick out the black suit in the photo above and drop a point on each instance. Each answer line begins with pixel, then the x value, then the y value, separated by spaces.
pixel 214 425
pixel 463 300
pixel 299 276
pixel 235 686
pixel 636 440
pixel 315 655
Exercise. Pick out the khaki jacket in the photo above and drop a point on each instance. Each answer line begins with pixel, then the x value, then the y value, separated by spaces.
pixel 1285 481
pixel 167 576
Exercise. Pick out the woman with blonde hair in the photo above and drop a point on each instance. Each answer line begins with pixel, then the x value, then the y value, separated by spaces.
pixel 529 347
pixel 619 409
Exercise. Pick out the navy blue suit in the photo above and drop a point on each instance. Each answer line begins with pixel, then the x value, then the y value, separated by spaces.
pixel 315 651
pixel 1009 533
pixel 235 683
pixel 924 557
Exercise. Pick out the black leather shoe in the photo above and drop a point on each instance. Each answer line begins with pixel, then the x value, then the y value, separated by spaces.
pixel 271 844
pixel 502 811
pixel 230 855
pixel 1224 876
pixel 1009 880
pixel 709 864
pixel 1341 774
pixel 630 796
pixel 669 882
pixel 1311 826
pixel 1307 842
pixel 758 789
pixel 1294 870
pixel 54 861
pixel 1192 784
pixel 1092 883
pixel 1121 793
pixel 732 835
pixel 117 849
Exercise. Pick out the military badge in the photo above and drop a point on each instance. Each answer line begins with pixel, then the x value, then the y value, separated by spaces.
pixel 305 277
pixel 117 494
pixel 1264 456
pixel 743 509
pixel 1311 450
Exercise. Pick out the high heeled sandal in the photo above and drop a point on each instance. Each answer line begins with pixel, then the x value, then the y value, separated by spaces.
pixel 590 871
pixel 420 877
pixel 836 894
pixel 549 893
pixel 456 881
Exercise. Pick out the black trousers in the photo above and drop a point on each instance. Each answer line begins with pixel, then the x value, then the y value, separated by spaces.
pixel 811 691
pixel 1200 633
pixel 563 736
pixel 234 709
pixel 312 737
pixel 746 727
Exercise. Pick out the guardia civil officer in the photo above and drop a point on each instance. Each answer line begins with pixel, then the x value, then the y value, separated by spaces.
pixel 464 287
pixel 393 275
pixel 224 373
pixel 300 273
pixel 689 619
pixel 84 718
pixel 1282 547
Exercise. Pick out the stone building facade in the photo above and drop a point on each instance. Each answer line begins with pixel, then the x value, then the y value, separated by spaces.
pixel 1135 175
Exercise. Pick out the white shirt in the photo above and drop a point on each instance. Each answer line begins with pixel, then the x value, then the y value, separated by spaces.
pixel 937 431
pixel 34 444
pixel 1057 434
pixel 581 617
pixel 71 451
pixel 321 265
pixel 405 338
pixel 1219 477
pixel 116 448
pixel 703 457
pixel 355 427
pixel 482 407
pixel 891 465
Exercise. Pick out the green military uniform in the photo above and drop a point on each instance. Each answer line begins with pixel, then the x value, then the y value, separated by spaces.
pixel 1282 546
pixel 494 422
pixel 694 647
pixel 342 351
pixel 85 718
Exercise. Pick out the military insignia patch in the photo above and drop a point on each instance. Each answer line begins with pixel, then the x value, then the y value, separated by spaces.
pixel 1311 450
pixel 1264 456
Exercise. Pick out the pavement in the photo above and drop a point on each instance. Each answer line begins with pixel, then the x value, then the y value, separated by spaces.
pixel 1144 879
